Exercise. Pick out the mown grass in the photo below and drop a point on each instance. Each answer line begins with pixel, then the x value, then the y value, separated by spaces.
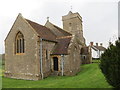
pixel 0 73
pixel 96 61
pixel 89 77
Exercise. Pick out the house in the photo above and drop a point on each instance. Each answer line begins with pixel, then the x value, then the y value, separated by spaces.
pixel 86 55
pixel 97 50
pixel 34 51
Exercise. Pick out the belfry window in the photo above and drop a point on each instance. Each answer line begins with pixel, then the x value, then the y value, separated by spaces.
pixel 19 43
pixel 70 24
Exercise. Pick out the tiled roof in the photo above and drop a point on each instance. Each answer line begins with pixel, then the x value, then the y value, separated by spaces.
pixel 62 31
pixel 94 48
pixel 101 48
pixel 43 31
pixel 84 50
pixel 62 46
pixel 57 30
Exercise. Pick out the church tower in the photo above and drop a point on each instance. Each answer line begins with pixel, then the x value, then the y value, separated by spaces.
pixel 72 23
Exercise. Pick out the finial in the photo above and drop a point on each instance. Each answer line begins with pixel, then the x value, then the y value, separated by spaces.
pixel 47 18
pixel 70 8
pixel 20 14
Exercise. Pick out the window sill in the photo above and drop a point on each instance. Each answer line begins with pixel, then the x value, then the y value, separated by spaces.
pixel 20 53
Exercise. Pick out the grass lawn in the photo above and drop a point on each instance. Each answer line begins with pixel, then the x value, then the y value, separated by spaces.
pixel 95 61
pixel 0 74
pixel 89 77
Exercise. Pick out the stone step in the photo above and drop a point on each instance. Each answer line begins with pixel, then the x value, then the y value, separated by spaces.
pixel 55 73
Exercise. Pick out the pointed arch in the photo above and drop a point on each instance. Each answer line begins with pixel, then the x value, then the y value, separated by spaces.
pixel 19 43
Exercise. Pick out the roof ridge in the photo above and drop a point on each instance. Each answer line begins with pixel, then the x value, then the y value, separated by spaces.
pixel 99 46
pixel 64 37
pixel 34 22
pixel 39 24
pixel 43 31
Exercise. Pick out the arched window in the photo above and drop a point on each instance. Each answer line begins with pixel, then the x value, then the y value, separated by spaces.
pixel 19 43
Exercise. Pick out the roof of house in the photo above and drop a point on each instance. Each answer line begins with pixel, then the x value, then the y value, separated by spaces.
pixel 101 48
pixel 43 31
pixel 84 50
pixel 62 46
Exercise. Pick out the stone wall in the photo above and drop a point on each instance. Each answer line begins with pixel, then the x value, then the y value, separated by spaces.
pixel 47 48
pixel 25 65
pixel 72 61
pixel 86 59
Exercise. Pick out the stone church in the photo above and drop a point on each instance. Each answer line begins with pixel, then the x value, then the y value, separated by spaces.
pixel 34 51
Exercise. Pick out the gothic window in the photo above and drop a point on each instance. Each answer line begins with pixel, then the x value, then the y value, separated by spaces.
pixel 19 43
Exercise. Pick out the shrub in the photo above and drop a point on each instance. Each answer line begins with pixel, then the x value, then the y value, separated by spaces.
pixel 110 64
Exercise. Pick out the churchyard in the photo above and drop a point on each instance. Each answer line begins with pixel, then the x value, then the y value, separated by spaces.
pixel 89 77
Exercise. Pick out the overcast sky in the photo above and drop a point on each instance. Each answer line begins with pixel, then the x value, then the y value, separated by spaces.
pixel 100 17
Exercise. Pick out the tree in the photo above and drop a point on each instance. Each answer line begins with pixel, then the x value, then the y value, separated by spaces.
pixel 110 64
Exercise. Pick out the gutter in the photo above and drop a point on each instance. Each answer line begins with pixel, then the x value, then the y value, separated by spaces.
pixel 41 61
pixel 62 64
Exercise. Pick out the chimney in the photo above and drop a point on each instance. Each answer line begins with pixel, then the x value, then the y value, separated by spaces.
pixel 96 44
pixel 110 43
pixel 91 43
pixel 101 44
